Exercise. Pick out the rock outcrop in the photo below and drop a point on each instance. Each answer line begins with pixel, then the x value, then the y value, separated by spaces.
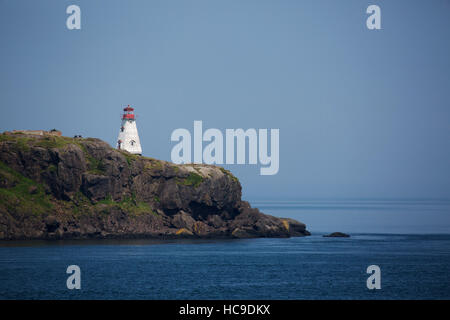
pixel 336 235
pixel 55 187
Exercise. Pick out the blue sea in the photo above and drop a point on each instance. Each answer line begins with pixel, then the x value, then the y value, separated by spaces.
pixel 414 265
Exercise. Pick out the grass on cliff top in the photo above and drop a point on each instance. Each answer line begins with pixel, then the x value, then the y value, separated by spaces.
pixel 153 164
pixel 25 195
pixel 96 166
pixel 24 142
pixel 128 156
pixel 228 173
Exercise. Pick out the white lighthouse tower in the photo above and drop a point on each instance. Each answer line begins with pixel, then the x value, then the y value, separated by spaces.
pixel 128 135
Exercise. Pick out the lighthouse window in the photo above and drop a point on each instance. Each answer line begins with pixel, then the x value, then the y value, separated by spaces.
pixel 121 129
pixel 132 142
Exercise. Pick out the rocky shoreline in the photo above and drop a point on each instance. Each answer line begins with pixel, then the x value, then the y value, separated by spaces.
pixel 55 187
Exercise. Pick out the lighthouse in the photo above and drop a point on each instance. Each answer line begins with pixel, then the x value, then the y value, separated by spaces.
pixel 128 139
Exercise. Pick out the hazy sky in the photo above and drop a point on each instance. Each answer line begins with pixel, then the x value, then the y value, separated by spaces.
pixel 361 113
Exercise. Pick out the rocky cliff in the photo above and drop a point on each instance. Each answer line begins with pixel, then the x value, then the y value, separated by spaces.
pixel 63 188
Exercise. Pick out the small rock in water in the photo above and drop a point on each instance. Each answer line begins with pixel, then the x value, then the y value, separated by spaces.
pixel 337 235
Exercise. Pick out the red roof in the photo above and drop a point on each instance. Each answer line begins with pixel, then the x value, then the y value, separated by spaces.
pixel 128 108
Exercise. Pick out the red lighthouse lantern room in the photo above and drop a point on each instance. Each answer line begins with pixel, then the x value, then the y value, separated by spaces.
pixel 128 113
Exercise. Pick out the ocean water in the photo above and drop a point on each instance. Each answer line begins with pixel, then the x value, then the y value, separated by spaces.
pixel 397 216
pixel 413 266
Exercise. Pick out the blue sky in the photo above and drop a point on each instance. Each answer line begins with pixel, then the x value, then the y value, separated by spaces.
pixel 361 113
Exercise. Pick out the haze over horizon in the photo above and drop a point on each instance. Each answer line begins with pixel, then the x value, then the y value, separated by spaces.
pixel 362 113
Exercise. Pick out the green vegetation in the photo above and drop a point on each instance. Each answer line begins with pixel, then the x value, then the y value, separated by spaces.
pixel 6 137
pixel 129 205
pixel 28 197
pixel 129 157
pixel 152 164
pixel 108 200
pixel 228 173
pixel 23 195
pixel 81 204
pixel 96 166
pixel 24 142
pixel 53 142
pixel 136 208
pixel 193 179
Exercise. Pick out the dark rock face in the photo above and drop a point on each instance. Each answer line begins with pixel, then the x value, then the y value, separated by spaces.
pixel 337 235
pixel 61 188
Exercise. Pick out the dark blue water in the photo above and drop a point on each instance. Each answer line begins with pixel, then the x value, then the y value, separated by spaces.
pixel 412 267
